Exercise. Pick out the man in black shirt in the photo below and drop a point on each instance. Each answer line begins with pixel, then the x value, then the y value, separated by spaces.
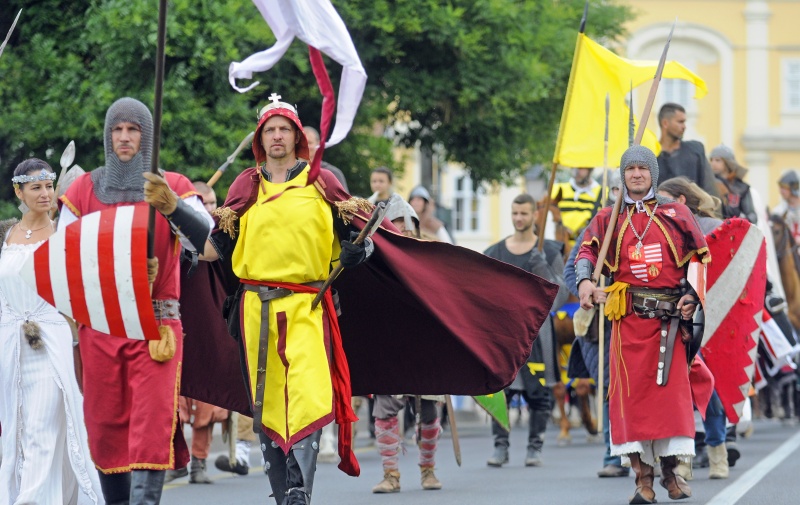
pixel 682 157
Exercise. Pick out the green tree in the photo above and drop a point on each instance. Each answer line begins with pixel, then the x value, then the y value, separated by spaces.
pixel 485 79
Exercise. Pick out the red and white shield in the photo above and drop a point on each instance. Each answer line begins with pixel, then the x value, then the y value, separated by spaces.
pixel 645 261
pixel 95 271
pixel 734 300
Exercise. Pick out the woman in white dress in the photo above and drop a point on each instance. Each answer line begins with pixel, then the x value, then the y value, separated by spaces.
pixel 46 457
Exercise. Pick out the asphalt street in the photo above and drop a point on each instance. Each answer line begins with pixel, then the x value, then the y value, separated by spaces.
pixel 768 473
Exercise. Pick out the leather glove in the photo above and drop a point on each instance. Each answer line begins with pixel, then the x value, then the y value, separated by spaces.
pixel 158 194
pixel 353 255
pixel 152 270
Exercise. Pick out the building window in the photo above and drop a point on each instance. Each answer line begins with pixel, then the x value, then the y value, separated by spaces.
pixel 678 91
pixel 466 206
pixel 791 83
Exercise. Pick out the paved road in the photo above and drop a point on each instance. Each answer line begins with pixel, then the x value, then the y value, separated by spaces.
pixel 768 473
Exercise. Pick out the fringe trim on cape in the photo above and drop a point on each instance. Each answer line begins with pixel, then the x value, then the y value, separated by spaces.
pixel 227 220
pixel 349 208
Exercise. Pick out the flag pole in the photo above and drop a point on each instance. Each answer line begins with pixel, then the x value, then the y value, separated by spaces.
pixel 543 216
pixel 648 107
pixel 157 113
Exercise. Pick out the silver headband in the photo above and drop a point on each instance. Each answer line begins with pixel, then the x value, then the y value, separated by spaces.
pixel 44 175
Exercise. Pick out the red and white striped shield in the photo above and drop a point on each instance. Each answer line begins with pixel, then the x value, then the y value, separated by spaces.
pixel 95 271
pixel 736 281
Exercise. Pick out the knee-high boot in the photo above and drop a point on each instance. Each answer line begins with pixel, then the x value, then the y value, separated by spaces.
pixel 116 487
pixel 645 475
pixel 301 465
pixel 275 466
pixel 675 484
pixel 146 486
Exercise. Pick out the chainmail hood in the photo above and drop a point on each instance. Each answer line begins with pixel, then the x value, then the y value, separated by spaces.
pixel 640 155
pixel 118 181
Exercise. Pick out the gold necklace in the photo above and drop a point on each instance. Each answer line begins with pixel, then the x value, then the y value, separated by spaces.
pixel 29 231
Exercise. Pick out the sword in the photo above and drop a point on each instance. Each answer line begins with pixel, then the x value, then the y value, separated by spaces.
pixel 451 419
pixel 366 232
pixel 221 170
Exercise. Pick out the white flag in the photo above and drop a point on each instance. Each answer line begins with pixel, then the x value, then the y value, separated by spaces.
pixel 316 23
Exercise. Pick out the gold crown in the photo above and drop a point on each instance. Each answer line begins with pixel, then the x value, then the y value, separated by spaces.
pixel 276 104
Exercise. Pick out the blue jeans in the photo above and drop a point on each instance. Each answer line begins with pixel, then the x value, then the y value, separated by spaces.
pixel 608 459
pixel 715 422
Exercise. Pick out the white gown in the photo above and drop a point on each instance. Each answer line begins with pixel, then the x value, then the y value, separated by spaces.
pixel 45 449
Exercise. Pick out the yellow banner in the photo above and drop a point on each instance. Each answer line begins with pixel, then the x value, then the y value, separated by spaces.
pixel 596 71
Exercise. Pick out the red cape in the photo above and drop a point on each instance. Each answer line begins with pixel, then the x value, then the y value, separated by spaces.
pixel 418 317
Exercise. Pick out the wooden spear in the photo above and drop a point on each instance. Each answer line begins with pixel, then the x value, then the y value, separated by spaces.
pixel 157 113
pixel 648 107
pixel 601 318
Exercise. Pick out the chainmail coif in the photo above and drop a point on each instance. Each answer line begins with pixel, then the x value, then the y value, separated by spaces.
pixel 642 156
pixel 118 181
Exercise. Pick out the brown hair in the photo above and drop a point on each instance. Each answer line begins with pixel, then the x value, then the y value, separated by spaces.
pixel 524 198
pixel 383 170
pixel 698 201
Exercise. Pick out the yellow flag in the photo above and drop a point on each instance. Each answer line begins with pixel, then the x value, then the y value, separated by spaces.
pixel 596 71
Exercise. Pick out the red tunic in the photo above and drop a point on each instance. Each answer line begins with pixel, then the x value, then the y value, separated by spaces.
pixel 130 401
pixel 639 409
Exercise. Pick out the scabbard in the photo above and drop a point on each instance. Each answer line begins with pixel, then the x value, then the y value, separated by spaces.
pixel 669 328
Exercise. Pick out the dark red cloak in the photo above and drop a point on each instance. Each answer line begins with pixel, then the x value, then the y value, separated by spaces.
pixel 418 317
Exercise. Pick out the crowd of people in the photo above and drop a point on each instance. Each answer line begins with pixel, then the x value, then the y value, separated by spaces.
pixel 71 435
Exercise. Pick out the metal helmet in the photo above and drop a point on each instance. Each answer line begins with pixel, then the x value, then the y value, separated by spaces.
pixel 790 181
pixel 118 181
pixel 400 208
pixel 420 192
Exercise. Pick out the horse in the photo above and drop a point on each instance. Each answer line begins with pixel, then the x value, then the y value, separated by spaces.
pixel 564 333
pixel 789 264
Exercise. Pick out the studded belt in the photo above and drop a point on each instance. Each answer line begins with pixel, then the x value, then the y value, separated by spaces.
pixel 167 309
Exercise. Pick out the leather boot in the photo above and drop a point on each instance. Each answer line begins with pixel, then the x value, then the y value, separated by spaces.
pixel 500 456
pixel 116 487
pixel 675 484
pixel 197 472
pixel 644 481
pixel 146 486
pixel 389 484
pixel 718 461
pixel 428 479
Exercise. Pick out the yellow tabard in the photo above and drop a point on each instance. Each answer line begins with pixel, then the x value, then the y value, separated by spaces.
pixel 288 239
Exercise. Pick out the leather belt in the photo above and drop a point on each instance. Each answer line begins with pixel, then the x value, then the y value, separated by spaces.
pixel 166 309
pixel 662 304
pixel 265 294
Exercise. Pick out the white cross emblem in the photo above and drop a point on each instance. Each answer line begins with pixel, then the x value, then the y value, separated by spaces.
pixel 275 98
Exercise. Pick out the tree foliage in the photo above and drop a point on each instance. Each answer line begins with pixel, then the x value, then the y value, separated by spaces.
pixel 485 79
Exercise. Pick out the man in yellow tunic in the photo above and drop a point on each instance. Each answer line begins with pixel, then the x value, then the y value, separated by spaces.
pixel 282 236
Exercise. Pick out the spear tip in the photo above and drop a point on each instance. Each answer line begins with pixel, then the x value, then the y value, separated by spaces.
pixel 585 14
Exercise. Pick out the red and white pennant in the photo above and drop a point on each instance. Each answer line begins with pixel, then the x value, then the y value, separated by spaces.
pixel 95 271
